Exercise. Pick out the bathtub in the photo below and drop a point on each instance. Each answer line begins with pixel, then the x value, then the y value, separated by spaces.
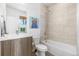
pixel 60 49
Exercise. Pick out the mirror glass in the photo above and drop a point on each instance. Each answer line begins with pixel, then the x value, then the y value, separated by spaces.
pixel 16 18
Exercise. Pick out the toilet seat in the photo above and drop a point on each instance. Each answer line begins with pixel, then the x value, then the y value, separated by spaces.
pixel 41 47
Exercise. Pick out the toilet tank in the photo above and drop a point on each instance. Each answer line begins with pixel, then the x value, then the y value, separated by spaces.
pixel 36 35
pixel 36 41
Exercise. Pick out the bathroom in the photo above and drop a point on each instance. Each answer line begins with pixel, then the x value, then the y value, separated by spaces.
pixel 39 29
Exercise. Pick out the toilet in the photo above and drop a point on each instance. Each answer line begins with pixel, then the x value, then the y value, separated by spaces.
pixel 41 48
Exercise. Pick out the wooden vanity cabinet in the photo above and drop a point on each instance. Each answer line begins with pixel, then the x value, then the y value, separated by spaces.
pixel 17 47
pixel 7 48
pixel 26 46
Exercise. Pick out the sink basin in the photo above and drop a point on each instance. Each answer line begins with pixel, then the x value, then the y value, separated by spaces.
pixel 1 37
pixel 15 36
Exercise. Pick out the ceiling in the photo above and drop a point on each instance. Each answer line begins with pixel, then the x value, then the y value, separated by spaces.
pixel 49 4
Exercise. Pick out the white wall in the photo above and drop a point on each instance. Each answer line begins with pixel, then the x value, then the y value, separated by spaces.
pixel 32 9
pixel 77 29
pixel 12 19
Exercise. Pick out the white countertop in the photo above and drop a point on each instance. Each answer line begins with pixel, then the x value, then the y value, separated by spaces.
pixel 15 36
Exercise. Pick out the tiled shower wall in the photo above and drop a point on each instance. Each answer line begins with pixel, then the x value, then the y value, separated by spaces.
pixel 44 18
pixel 62 23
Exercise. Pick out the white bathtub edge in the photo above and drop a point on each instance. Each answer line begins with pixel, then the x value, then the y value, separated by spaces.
pixel 61 50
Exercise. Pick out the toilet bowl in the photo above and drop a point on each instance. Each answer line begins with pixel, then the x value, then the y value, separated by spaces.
pixel 41 49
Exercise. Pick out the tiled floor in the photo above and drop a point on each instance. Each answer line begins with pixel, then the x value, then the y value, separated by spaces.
pixel 49 54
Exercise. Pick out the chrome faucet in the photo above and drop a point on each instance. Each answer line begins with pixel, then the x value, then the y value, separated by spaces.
pixel 2 32
pixel 3 26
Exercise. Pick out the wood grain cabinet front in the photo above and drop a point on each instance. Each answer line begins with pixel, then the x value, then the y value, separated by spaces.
pixel 26 46
pixel 17 47
pixel 7 48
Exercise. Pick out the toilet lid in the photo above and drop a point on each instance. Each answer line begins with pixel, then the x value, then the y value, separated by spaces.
pixel 41 47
